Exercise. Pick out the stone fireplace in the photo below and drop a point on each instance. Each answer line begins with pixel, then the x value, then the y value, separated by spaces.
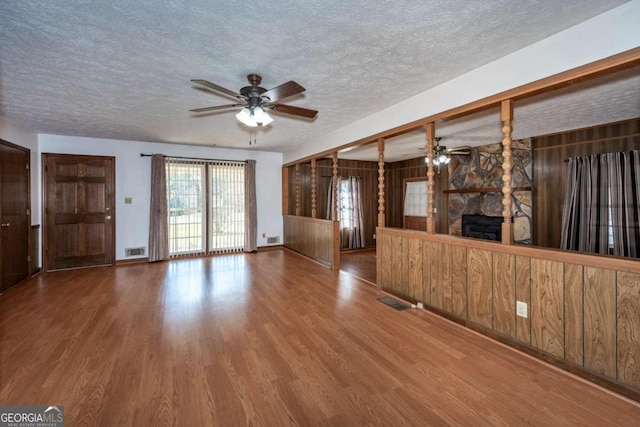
pixel 475 187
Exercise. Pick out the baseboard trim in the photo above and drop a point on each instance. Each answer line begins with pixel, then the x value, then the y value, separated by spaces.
pixel 132 261
pixel 269 248
pixel 555 361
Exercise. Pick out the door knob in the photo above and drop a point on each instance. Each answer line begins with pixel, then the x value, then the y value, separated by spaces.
pixel 108 217
pixel 5 224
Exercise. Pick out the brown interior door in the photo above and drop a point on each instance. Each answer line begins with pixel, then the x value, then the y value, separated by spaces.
pixel 79 211
pixel 14 213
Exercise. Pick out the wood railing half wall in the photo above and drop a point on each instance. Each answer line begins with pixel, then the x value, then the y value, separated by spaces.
pixel 583 311
pixel 319 239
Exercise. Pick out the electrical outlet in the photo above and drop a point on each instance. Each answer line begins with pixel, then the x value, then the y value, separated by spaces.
pixel 264 235
pixel 521 309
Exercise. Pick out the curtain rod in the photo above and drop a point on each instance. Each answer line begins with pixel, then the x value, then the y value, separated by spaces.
pixel 196 158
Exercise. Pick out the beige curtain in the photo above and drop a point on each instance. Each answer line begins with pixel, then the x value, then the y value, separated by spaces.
pixel 159 217
pixel 250 208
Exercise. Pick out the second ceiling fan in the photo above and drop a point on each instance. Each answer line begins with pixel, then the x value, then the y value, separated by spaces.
pixel 254 100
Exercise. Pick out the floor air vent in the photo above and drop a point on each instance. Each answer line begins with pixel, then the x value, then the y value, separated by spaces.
pixel 134 251
pixel 271 240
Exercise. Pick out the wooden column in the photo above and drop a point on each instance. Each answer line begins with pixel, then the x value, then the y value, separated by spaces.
pixel 431 184
pixel 334 215
pixel 314 189
pixel 507 167
pixel 381 214
pixel 298 207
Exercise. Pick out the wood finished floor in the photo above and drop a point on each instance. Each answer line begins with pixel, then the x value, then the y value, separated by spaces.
pixel 361 264
pixel 266 339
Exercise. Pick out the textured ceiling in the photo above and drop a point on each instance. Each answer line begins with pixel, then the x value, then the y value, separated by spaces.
pixel 121 69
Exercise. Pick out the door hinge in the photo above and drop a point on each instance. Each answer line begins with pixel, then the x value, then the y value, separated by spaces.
pixel 27 165
pixel 28 212
pixel 29 258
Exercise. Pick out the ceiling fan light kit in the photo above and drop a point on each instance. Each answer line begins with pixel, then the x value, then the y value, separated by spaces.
pixel 254 100
pixel 254 117
pixel 442 154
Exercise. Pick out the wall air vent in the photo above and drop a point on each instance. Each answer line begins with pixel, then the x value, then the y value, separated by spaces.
pixel 272 240
pixel 135 251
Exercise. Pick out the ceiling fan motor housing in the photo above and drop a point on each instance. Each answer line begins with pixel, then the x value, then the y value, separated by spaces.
pixel 254 92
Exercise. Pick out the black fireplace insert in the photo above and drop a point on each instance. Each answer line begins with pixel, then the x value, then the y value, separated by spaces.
pixel 482 227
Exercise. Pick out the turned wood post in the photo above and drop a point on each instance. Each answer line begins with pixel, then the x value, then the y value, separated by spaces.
pixel 314 184
pixel 334 215
pixel 507 167
pixel 381 214
pixel 298 189
pixel 431 185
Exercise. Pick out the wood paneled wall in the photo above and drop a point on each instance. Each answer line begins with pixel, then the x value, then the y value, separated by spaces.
pixel 582 309
pixel 318 239
pixel 368 171
pixel 396 173
pixel 549 169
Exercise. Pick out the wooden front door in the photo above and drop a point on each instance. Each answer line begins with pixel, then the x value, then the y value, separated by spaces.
pixel 14 212
pixel 79 211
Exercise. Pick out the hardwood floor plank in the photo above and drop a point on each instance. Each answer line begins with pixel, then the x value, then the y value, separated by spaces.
pixel 269 339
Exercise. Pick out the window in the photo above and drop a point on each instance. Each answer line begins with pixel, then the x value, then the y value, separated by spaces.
pixel 206 207
pixel 415 198
pixel 345 204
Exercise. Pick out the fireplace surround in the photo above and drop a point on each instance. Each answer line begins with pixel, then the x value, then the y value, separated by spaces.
pixel 482 227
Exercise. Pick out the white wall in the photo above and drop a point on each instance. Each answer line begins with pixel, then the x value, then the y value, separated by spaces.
pixel 133 180
pixel 610 33
pixel 10 132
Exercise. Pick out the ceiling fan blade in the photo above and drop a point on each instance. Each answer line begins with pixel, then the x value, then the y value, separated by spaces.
pixel 217 107
pixel 217 88
pixel 285 90
pixel 295 111
pixel 461 148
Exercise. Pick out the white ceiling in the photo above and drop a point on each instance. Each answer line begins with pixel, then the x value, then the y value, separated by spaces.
pixel 122 69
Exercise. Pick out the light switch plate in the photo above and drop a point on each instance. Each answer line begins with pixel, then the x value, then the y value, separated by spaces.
pixel 128 200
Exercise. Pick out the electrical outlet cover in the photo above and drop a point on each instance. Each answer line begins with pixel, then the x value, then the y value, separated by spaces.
pixel 521 309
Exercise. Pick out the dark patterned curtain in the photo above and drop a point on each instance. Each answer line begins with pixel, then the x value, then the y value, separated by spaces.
pixel 601 208
pixel 624 174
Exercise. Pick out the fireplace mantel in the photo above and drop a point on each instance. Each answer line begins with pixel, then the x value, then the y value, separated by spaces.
pixel 483 190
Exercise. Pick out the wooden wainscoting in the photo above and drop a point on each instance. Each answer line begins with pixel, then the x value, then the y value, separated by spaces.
pixel 582 310
pixel 319 239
